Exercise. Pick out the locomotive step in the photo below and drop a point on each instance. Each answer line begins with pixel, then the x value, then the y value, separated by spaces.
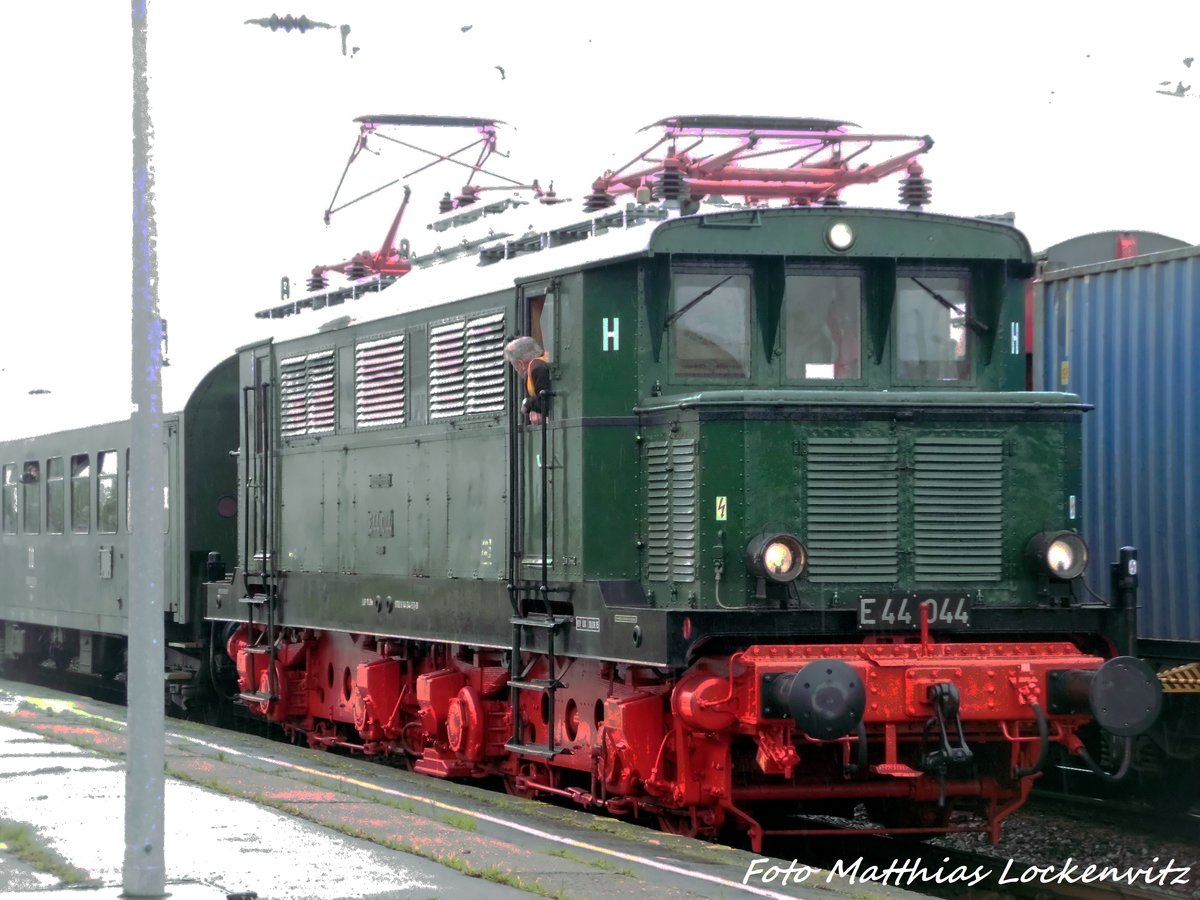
pixel 258 649
pixel 255 600
pixel 257 697
pixel 542 750
pixel 536 684
pixel 554 622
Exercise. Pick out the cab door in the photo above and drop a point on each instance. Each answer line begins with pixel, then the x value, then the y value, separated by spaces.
pixel 539 446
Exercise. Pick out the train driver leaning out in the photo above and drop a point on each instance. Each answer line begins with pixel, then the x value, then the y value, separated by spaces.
pixel 531 363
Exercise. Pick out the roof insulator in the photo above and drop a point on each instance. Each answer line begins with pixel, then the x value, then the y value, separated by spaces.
pixel 915 191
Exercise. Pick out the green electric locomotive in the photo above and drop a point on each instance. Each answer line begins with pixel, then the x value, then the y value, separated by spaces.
pixel 792 538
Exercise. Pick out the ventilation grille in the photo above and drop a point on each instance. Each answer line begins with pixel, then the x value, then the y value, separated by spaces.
pixel 485 364
pixel 379 382
pixel 447 375
pixel 958 509
pixel 671 517
pixel 306 394
pixel 853 509
pixel 466 367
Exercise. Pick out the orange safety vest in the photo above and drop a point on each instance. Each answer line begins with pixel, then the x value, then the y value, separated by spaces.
pixel 529 386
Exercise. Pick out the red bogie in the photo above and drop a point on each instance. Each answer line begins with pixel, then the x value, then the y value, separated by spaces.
pixel 694 750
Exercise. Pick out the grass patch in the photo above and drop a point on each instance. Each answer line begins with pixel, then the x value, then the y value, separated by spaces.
pixel 22 842
pixel 466 823
pixel 600 862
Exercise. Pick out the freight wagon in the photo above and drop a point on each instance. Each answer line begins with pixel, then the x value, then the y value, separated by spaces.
pixel 1124 334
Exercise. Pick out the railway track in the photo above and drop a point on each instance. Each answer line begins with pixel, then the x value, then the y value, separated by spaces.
pixel 932 866
pixel 1178 825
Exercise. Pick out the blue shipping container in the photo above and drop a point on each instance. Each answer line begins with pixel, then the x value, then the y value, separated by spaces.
pixel 1125 336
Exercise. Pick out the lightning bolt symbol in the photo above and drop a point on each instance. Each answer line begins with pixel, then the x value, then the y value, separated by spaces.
pixel 720 507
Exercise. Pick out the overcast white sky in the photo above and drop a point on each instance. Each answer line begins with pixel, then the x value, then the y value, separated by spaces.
pixel 1050 110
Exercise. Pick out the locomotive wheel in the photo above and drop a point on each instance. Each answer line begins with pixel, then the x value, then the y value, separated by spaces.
pixel 1174 791
pixel 681 825
pixel 534 771
pixel 60 656
pixel 684 824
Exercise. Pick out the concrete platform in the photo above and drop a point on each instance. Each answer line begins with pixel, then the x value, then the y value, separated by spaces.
pixel 247 814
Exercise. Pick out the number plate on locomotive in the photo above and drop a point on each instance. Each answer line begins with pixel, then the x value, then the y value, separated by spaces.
pixel 898 612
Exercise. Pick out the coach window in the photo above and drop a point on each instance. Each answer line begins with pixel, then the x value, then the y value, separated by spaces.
pixel 822 317
pixel 710 321
pixel 31 479
pixel 10 499
pixel 107 508
pixel 932 340
pixel 56 495
pixel 166 474
pixel 81 493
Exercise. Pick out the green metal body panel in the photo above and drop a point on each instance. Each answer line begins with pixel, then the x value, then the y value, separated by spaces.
pixel 208 442
pixel 758 447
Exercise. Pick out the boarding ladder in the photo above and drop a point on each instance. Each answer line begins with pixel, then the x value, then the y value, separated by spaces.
pixel 259 574
pixel 530 598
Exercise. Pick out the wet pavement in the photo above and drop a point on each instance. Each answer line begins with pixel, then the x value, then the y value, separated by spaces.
pixel 247 814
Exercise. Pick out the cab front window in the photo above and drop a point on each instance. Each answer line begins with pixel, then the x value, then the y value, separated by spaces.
pixel 932 340
pixel 822 317
pixel 710 323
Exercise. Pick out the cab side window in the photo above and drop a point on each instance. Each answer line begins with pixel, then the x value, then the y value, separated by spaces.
pixel 541 322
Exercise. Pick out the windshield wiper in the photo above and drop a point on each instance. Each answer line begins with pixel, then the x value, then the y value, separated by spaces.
pixel 679 312
pixel 970 320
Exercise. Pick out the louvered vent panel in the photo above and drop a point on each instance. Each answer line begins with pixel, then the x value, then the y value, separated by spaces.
pixel 958 509
pixel 322 416
pixel 658 511
pixel 447 371
pixel 671 516
pixel 307 394
pixel 853 509
pixel 683 510
pixel 293 415
pixel 379 382
pixel 485 364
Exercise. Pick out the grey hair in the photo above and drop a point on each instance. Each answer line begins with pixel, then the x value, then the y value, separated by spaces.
pixel 522 349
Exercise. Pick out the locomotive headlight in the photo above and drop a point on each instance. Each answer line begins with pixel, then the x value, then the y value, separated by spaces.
pixel 777 557
pixel 840 236
pixel 1063 554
